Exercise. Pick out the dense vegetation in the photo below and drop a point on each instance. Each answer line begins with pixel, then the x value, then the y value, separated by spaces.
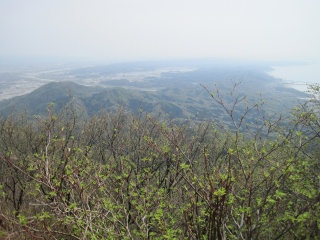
pixel 138 176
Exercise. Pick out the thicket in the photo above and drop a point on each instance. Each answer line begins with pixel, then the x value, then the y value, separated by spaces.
pixel 124 176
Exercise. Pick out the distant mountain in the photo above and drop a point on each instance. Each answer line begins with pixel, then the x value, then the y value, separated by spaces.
pixel 90 99
pixel 36 102
pixel 179 94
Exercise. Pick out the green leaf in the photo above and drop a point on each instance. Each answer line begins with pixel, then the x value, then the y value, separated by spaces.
pixel 220 192
pixel 22 219
pixel 184 166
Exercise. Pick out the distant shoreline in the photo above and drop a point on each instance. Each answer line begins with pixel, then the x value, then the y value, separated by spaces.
pixel 300 86
pixel 298 76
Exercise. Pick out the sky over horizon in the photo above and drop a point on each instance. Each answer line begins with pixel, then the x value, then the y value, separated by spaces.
pixel 115 30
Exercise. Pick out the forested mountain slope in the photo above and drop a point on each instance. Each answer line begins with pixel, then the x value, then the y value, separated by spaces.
pixel 179 94
pixel 118 175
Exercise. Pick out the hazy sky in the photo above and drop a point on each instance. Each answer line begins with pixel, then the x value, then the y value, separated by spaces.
pixel 159 29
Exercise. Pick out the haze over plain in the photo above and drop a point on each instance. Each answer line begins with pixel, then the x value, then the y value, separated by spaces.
pixel 124 30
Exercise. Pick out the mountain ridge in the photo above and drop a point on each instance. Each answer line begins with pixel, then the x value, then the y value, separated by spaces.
pixel 182 95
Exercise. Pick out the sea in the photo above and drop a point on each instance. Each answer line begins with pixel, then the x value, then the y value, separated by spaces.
pixel 298 76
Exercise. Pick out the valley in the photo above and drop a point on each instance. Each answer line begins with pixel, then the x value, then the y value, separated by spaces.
pixel 180 89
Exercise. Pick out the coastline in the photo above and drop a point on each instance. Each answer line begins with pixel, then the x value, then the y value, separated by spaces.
pixel 300 86
pixel 298 76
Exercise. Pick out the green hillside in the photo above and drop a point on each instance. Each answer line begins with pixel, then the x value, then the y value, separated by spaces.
pixel 212 153
pixel 180 95
pixel 118 175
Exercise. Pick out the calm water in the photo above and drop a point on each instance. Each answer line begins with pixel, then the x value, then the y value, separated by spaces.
pixel 298 76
